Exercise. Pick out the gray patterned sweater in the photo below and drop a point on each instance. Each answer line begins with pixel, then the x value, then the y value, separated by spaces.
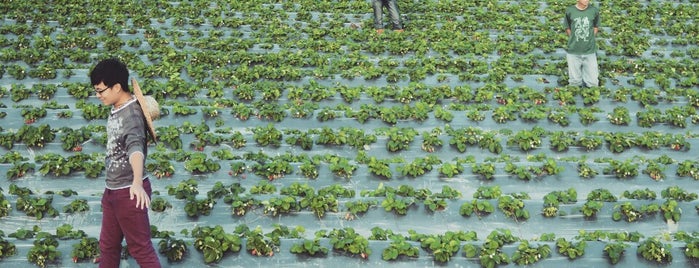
pixel 126 135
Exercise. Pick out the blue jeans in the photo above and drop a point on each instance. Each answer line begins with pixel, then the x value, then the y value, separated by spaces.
pixel 392 7
pixel 582 69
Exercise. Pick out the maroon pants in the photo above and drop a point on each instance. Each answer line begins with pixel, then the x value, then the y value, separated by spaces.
pixel 122 219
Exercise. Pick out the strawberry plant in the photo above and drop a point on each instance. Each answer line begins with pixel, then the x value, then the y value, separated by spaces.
pixel 678 193
pixel 174 249
pixel 183 190
pixel 649 117
pixel 19 92
pixel 341 167
pixel 645 194
pixel 487 192
pixel 653 250
pixel 480 207
pixel 72 140
pixel 380 168
pixel 160 168
pixel 159 204
pixel 570 249
pixel 337 190
pixel 513 207
pixel 44 251
pixel 358 207
pixel 628 212
pixel 591 141
pixel 320 203
pixel 591 208
pixel 524 173
pixel 431 140
pixel 561 141
pixel 688 168
pixel 603 195
pixel 32 114
pixel 7 140
pixel 267 136
pixel 614 251
pixel 38 207
pixel 194 207
pixel 655 171
pixel 301 139
pixel 86 249
pixel 240 205
pixel 671 211
pixel 484 170
pixel 397 205
pixel 399 138
pixel 503 114
pixel 585 170
pixel 489 141
pixel 280 205
pixel 399 247
pixel 257 245
pixel 348 241
pixel 199 163
pixel 35 136
pixel 526 254
pixel 215 242
pixel 45 91
pixel 619 116
pixel 329 137
pixel 587 116
pixel 19 169
pixel 527 140
pixel 272 170
pixel 7 248
pixel 77 206
pixel 553 199
pixel 450 170
pixel 309 247
pixel 490 253
pixel 677 115
pixel 622 170
pixel 263 187
pixel 559 116
pixel 93 111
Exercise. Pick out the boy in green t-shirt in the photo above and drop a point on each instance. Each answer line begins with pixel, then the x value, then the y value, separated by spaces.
pixel 582 23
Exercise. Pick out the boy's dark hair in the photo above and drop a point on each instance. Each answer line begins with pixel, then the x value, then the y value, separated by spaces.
pixel 110 72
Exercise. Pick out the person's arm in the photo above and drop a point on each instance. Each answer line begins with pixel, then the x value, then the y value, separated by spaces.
pixel 596 22
pixel 136 189
pixel 135 143
pixel 566 22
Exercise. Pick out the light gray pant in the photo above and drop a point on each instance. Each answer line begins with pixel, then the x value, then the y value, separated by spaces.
pixel 392 7
pixel 582 69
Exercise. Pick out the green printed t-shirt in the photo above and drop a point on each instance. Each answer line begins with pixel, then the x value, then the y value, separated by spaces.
pixel 581 24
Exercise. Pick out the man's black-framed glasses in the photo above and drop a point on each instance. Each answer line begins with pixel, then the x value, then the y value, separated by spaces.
pixel 100 91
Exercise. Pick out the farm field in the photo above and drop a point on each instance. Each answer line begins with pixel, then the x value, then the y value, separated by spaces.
pixel 293 135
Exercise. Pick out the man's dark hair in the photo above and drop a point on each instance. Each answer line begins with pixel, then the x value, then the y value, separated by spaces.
pixel 110 72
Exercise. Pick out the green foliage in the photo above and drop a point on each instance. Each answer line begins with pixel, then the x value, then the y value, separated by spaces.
pixel 309 247
pixel 347 240
pixel 215 242
pixel 653 250
pixel 570 249
pixel 614 251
